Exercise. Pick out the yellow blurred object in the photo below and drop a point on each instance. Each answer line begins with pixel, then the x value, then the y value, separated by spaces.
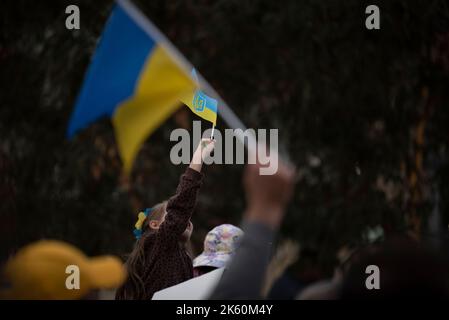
pixel 41 271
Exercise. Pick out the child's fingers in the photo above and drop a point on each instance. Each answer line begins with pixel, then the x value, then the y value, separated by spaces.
pixel 207 142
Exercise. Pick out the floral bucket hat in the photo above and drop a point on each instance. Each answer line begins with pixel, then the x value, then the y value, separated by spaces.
pixel 220 245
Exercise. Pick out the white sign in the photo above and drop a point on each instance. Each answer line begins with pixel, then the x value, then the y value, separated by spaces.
pixel 199 288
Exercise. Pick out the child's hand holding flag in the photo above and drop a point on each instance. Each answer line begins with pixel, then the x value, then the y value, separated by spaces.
pixel 204 149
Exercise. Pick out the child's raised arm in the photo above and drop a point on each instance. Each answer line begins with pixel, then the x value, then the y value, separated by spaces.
pixel 180 207
pixel 203 150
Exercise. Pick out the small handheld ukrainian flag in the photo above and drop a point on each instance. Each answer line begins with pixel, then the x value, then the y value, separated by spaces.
pixel 201 104
pixel 136 78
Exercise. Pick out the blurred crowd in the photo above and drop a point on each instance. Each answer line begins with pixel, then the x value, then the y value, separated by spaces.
pixel 255 264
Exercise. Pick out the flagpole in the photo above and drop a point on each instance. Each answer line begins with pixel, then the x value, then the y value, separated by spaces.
pixel 212 133
pixel 226 112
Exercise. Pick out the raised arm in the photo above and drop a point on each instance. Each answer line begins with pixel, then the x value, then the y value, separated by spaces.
pixel 180 207
pixel 267 198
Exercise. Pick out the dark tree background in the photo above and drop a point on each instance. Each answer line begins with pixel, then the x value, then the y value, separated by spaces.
pixel 363 114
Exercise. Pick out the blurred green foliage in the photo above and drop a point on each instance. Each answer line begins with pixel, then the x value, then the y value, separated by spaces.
pixel 349 104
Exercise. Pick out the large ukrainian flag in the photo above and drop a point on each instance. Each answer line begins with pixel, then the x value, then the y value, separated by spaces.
pixel 133 80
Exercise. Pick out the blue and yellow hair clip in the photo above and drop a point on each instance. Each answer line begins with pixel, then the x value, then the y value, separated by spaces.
pixel 140 220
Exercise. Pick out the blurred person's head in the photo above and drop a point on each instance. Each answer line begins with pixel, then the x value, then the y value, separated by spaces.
pixel 220 245
pixel 406 269
pixel 45 270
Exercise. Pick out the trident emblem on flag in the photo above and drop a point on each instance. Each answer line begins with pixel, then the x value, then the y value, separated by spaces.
pixel 199 101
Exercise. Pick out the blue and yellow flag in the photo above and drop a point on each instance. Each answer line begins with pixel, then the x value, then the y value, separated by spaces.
pixel 201 104
pixel 133 80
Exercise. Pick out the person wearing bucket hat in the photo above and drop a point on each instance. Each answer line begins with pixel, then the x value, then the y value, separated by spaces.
pixel 41 270
pixel 219 247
